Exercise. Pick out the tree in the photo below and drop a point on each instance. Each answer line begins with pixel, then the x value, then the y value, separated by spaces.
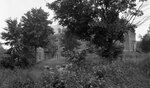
pixel 12 36
pixel 97 21
pixel 68 41
pixel 25 36
pixel 51 48
pixel 145 43
pixel 36 28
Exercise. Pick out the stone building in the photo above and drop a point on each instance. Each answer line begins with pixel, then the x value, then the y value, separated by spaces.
pixel 130 42
pixel 129 46
pixel 40 54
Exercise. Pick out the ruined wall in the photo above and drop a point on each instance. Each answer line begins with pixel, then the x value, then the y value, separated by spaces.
pixel 40 54
pixel 130 42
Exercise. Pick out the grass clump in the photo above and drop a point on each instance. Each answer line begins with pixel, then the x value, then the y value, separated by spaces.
pixel 118 74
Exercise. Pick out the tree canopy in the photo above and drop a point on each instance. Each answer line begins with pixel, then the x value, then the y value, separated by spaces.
pixel 96 21
pixel 25 36
pixel 145 43
pixel 68 41
pixel 13 36
pixel 36 28
pixel 12 32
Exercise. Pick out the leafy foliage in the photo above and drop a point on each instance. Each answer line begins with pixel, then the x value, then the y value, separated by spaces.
pixel 119 74
pixel 7 62
pixel 125 74
pixel 24 37
pixel 25 58
pixel 113 52
pixel 51 46
pixel 36 28
pixel 145 43
pixel 91 75
pixel 13 37
pixel 96 21
pixel 12 34
pixel 145 66
pixel 68 41
pixel 70 46
pixel 75 56
pixel 16 79
pixel 22 83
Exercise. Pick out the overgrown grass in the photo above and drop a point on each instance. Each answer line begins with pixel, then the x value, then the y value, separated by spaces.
pixel 97 74
pixel 7 77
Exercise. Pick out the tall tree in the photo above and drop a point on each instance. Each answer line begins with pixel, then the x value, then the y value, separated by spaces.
pixel 96 21
pixel 12 35
pixel 51 48
pixel 36 28
pixel 33 31
pixel 68 41
pixel 145 43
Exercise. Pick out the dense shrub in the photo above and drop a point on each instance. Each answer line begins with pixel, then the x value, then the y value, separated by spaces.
pixel 118 74
pixel 7 62
pixel 10 62
pixel 21 59
pixel 126 75
pixel 15 79
pixel 22 83
pixel 24 62
pixel 68 41
pixel 4 76
pixel 76 77
pixel 109 54
pixel 145 43
pixel 75 56
pixel 51 81
pixel 145 66
pixel 112 53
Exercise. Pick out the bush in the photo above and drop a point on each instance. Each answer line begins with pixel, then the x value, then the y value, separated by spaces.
pixel 51 81
pixel 24 62
pixel 16 79
pixel 45 81
pixel 4 76
pixel 72 76
pixel 125 75
pixel 10 62
pixel 112 53
pixel 75 56
pixel 145 66
pixel 7 62
pixel 118 74
pixel 145 43
pixel 22 83
pixel 21 60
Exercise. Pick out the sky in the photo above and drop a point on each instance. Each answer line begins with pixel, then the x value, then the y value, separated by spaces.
pixel 17 8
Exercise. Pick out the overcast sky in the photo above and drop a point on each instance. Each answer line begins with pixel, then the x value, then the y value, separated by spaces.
pixel 17 8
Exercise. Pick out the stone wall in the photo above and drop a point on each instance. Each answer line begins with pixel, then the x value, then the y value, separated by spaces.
pixel 130 42
pixel 40 54
pixel 129 46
